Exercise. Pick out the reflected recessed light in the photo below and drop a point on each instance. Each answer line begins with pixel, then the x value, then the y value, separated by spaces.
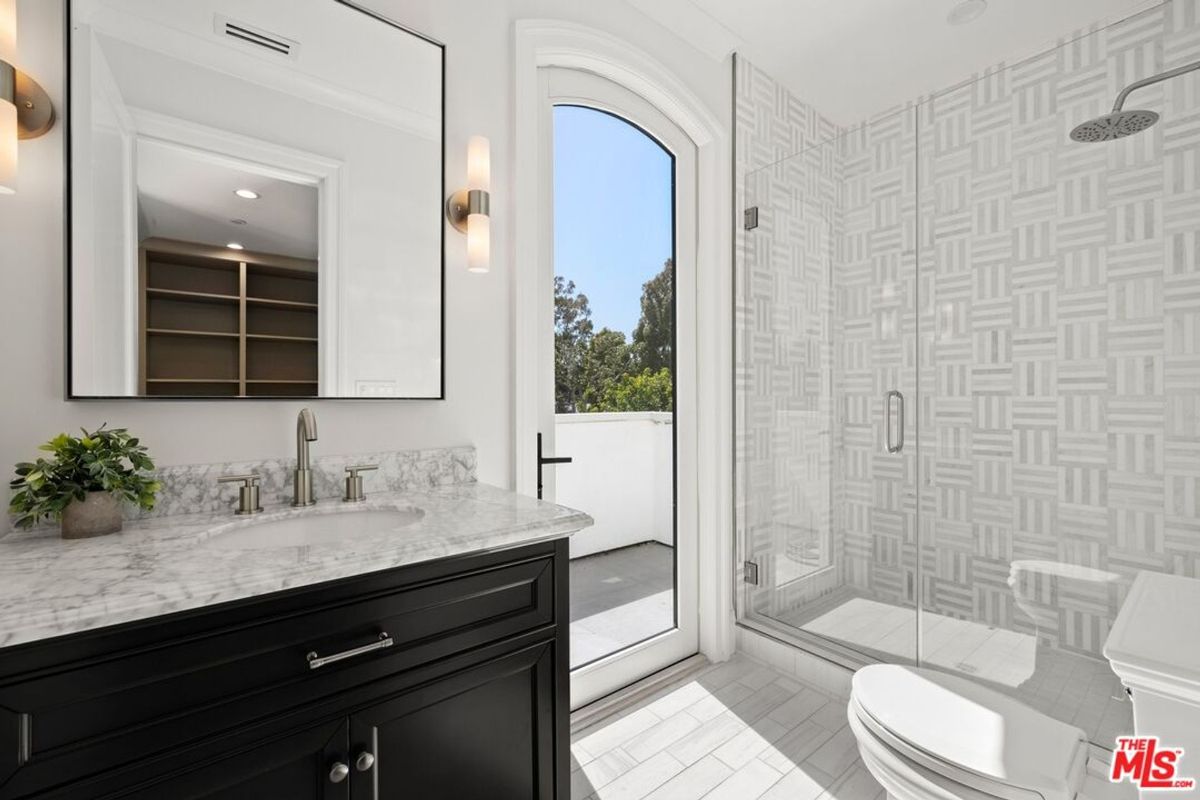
pixel 247 194
pixel 235 246
pixel 966 11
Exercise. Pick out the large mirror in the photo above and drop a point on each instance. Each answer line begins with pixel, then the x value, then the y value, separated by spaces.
pixel 255 201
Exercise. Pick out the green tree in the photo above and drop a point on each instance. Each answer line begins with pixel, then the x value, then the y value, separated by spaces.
pixel 644 391
pixel 654 336
pixel 608 358
pixel 572 335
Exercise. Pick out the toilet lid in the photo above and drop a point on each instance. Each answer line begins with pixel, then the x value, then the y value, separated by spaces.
pixel 963 724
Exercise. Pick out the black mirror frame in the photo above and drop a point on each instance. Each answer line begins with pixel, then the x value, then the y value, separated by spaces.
pixel 69 389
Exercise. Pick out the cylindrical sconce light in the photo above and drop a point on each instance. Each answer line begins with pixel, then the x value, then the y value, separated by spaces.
pixel 8 30
pixel 469 210
pixel 25 109
pixel 8 92
pixel 8 135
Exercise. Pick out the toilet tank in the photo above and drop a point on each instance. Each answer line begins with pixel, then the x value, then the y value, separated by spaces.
pixel 1154 648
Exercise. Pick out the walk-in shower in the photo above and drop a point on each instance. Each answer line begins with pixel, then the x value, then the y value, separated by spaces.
pixel 968 364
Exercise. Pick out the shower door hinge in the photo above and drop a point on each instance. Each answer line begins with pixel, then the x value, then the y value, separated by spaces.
pixel 750 573
pixel 750 218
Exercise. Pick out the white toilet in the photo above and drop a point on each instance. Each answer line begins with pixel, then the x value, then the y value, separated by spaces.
pixel 928 735
pixel 925 734
pixel 1154 647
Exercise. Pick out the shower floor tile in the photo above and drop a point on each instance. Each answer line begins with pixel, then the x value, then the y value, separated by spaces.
pixel 1074 688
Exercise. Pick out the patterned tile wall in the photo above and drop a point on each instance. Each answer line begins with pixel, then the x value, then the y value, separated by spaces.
pixel 1049 307
pixel 1060 334
pixel 786 348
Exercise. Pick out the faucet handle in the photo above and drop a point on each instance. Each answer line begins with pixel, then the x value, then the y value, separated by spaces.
pixel 354 483
pixel 248 493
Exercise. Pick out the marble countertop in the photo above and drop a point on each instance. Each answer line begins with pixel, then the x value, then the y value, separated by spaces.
pixel 53 587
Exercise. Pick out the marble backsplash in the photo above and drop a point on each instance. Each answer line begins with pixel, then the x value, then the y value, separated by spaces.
pixel 193 488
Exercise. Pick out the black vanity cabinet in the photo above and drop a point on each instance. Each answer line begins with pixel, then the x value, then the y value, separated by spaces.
pixel 446 679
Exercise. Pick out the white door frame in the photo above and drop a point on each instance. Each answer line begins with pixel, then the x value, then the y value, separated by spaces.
pixel 552 43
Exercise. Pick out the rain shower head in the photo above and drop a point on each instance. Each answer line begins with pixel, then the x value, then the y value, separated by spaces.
pixel 1119 123
pixel 1114 126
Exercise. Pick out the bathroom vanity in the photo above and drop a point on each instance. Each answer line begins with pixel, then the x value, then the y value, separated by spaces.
pixel 189 658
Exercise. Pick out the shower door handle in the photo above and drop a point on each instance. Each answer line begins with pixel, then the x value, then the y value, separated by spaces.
pixel 887 420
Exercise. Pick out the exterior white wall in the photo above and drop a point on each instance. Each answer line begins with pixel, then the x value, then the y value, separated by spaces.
pixel 478 408
pixel 622 475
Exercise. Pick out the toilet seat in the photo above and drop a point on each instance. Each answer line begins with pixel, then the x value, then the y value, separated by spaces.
pixel 934 734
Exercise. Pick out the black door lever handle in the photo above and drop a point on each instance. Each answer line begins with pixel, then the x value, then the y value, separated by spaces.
pixel 543 460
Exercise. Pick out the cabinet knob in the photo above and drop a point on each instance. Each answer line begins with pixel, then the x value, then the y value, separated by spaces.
pixel 364 761
pixel 338 773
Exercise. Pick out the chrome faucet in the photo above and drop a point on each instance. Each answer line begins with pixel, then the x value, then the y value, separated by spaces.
pixel 306 431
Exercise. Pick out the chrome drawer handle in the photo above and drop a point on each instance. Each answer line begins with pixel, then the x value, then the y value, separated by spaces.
pixel 315 660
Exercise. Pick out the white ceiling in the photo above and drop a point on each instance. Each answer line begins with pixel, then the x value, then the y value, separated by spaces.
pixel 854 58
pixel 184 195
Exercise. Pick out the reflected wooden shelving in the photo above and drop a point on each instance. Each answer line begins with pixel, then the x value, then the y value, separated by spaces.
pixel 267 301
pixel 273 337
pixel 225 323
pixel 202 297
pixel 183 332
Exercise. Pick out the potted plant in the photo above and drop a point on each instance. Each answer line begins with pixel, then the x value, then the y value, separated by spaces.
pixel 85 482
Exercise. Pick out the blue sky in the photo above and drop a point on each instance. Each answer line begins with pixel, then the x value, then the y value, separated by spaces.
pixel 612 212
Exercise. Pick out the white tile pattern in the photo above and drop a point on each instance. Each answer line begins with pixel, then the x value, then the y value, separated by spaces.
pixel 672 746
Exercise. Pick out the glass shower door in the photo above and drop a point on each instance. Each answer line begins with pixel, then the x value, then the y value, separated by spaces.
pixel 826 356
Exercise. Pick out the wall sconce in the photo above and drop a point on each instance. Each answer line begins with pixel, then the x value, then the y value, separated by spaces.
pixel 25 109
pixel 469 210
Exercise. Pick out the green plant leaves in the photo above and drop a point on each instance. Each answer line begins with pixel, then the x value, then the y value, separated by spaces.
pixel 107 459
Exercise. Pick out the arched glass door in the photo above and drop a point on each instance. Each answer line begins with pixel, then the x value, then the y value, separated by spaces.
pixel 619 400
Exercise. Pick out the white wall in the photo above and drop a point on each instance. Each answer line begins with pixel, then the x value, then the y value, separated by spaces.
pixel 479 390
pixel 621 474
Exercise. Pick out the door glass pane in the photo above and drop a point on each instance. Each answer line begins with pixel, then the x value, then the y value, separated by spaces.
pixel 1063 429
pixel 826 330
pixel 614 370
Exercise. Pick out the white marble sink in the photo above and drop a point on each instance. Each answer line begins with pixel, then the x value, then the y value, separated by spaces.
pixel 316 527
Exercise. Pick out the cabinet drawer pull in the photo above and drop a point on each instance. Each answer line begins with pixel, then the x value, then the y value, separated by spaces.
pixel 364 761
pixel 315 660
pixel 338 772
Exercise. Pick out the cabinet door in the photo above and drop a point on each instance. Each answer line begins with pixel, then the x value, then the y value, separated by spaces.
pixel 298 766
pixel 482 733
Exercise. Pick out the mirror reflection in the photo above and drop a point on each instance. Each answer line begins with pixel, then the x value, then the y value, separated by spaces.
pixel 252 215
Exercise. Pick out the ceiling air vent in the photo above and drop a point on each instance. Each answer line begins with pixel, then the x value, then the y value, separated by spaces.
pixel 254 36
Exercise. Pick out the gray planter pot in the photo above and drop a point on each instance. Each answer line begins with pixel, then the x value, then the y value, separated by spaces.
pixel 97 515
